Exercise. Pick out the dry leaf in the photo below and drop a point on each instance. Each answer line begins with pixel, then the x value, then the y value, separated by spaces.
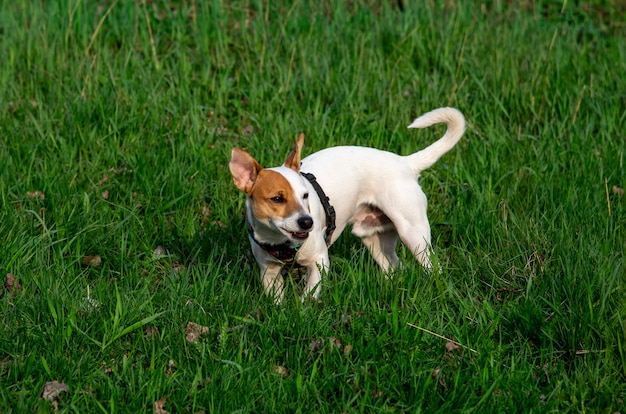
pixel 347 350
pixel 344 320
pixel 36 194
pixel 152 331
pixel 315 345
pixel 206 211
pixel 171 367
pixel 105 194
pixel 438 375
pixel 259 315
pixel 248 130
pixel 193 332
pixel 618 190
pixel 52 389
pixel 158 251
pixel 92 260
pixel 451 346
pixel 280 370
pixel 12 286
pixel 159 406
pixel 177 266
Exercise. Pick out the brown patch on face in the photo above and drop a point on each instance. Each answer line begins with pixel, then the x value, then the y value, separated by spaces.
pixel 273 196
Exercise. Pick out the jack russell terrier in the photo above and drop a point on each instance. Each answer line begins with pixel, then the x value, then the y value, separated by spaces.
pixel 296 211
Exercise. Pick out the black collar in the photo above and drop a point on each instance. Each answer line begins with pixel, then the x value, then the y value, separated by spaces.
pixel 328 209
pixel 286 252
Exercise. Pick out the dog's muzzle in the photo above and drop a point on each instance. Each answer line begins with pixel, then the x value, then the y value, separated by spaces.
pixel 305 223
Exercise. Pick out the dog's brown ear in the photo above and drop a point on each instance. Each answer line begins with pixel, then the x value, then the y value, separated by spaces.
pixel 244 169
pixel 293 159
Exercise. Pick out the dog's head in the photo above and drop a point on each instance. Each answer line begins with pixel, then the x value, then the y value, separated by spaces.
pixel 277 197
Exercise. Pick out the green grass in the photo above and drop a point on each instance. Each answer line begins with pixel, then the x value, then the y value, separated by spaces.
pixel 122 115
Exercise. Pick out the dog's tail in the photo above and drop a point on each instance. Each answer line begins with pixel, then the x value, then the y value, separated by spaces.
pixel 425 158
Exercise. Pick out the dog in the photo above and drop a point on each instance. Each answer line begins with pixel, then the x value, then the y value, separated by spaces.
pixel 295 212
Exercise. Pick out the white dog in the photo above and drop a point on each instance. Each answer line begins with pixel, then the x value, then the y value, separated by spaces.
pixel 296 211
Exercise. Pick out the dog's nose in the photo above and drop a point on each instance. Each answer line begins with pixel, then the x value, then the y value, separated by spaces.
pixel 305 222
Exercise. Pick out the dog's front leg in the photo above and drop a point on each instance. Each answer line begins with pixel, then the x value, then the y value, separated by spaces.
pixel 273 283
pixel 313 286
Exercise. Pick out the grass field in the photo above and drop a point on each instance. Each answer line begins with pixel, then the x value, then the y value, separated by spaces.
pixel 127 273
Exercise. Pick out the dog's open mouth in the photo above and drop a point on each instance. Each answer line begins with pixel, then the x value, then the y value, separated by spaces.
pixel 301 235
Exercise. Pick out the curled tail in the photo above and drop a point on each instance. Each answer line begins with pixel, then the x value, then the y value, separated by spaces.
pixel 455 121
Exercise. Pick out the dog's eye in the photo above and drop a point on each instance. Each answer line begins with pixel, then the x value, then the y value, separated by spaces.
pixel 305 196
pixel 278 199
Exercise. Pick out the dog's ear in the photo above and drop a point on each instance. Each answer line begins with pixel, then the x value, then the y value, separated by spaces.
pixel 244 169
pixel 293 159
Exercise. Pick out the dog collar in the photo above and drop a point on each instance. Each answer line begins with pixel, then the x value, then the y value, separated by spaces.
pixel 328 209
pixel 284 252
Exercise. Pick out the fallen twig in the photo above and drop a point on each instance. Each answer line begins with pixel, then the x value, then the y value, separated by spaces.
pixel 441 336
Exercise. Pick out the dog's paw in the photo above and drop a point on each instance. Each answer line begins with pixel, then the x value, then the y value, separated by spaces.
pixel 278 297
pixel 312 295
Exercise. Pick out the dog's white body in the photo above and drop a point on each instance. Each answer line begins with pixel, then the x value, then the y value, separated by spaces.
pixel 375 191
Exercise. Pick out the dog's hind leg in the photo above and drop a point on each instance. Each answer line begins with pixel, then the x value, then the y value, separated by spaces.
pixel 408 214
pixel 417 239
pixel 382 246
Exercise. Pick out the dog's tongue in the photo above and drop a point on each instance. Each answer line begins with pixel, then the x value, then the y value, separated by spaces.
pixel 300 235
